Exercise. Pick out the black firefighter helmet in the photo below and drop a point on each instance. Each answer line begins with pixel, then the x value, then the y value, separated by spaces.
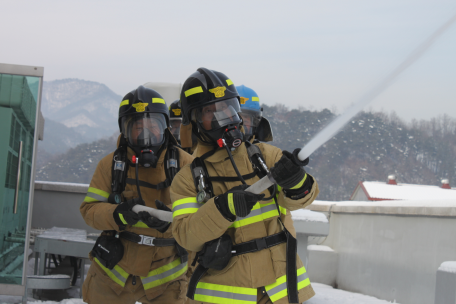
pixel 143 122
pixel 210 102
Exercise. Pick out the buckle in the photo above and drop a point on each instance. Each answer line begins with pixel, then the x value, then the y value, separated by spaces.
pixel 261 243
pixel 146 240
pixel 172 163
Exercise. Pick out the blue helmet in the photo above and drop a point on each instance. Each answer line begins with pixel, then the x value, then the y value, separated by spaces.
pixel 251 111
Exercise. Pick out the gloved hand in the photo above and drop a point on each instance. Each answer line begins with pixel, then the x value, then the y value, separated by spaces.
pixel 123 215
pixel 237 202
pixel 153 222
pixel 289 173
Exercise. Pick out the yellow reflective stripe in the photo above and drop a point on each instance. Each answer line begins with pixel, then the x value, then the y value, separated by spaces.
pixel 90 199
pixel 224 294
pixel 120 279
pixel 158 100
pixel 124 102
pixel 140 224
pixel 231 203
pixel 164 274
pixel 192 91
pixel 263 215
pixel 99 192
pixel 279 188
pixel 122 219
pixel 179 207
pixel 280 285
pixel 184 201
pixel 300 183
pixel 185 211
pixel 255 99
pixel 229 82
pixel 283 210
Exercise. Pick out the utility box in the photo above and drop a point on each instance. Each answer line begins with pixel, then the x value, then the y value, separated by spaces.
pixel 20 95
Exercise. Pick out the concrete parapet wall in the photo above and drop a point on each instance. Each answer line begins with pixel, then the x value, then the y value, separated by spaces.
pixel 57 205
pixel 389 249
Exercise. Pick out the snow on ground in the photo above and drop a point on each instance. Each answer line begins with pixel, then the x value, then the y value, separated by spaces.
pixel 324 295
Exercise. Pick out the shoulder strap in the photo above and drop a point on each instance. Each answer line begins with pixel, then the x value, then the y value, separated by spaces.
pixel 171 162
pixel 119 170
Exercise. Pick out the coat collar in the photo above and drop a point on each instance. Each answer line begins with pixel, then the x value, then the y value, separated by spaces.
pixel 220 154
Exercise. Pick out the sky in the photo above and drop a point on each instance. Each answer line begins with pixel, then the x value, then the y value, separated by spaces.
pixel 304 54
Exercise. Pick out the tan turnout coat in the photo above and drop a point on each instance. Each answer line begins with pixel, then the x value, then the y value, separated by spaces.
pixel 193 229
pixel 138 260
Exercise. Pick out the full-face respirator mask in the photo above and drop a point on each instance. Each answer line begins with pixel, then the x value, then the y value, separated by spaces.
pixel 219 121
pixel 145 134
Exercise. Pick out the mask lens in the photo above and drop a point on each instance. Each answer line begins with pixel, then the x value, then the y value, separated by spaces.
pixel 218 114
pixel 174 127
pixel 144 130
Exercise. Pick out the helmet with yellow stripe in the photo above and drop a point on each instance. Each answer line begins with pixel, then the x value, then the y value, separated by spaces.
pixel 210 102
pixel 175 117
pixel 143 120
pixel 251 111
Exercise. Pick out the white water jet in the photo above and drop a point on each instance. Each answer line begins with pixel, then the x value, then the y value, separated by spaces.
pixel 334 127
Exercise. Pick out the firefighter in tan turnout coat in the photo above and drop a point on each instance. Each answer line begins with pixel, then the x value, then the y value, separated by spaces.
pixel 243 253
pixel 144 263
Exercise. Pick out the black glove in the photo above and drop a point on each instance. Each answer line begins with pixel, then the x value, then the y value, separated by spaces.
pixel 237 202
pixel 123 215
pixel 153 222
pixel 289 173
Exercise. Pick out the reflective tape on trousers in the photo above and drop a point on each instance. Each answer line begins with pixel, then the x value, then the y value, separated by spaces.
pixel 224 294
pixel 164 274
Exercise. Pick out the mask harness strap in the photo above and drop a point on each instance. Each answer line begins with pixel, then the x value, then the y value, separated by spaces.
pixel 135 161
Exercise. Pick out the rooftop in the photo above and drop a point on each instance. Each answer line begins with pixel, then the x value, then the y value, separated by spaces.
pixel 384 191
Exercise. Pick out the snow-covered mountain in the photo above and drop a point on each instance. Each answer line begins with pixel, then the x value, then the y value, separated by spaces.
pixel 84 107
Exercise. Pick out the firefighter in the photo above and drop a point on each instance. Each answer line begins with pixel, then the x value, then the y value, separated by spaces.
pixel 175 119
pixel 240 248
pixel 256 127
pixel 136 258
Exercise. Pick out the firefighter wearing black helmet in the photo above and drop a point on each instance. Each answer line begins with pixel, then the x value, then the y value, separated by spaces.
pixel 175 117
pixel 136 258
pixel 241 247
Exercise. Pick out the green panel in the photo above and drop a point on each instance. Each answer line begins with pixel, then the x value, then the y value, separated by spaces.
pixel 17 123
pixel 15 93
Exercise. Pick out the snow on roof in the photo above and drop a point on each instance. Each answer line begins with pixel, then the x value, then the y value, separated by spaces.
pixel 449 266
pixel 320 248
pixel 308 216
pixel 382 190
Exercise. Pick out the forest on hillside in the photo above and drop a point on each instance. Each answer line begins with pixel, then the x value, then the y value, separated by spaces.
pixel 370 147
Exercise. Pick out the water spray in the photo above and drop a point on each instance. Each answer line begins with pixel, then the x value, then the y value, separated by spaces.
pixel 337 124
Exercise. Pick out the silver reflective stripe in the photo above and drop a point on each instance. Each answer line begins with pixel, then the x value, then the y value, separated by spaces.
pixel 226 295
pixel 97 197
pixel 185 206
pixel 163 274
pixel 259 211
pixel 118 275
pixel 283 286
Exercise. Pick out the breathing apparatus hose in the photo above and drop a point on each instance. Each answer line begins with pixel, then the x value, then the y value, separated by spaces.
pixel 234 164
pixel 137 178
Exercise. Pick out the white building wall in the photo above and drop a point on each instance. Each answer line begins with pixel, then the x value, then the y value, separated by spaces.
pixel 391 252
